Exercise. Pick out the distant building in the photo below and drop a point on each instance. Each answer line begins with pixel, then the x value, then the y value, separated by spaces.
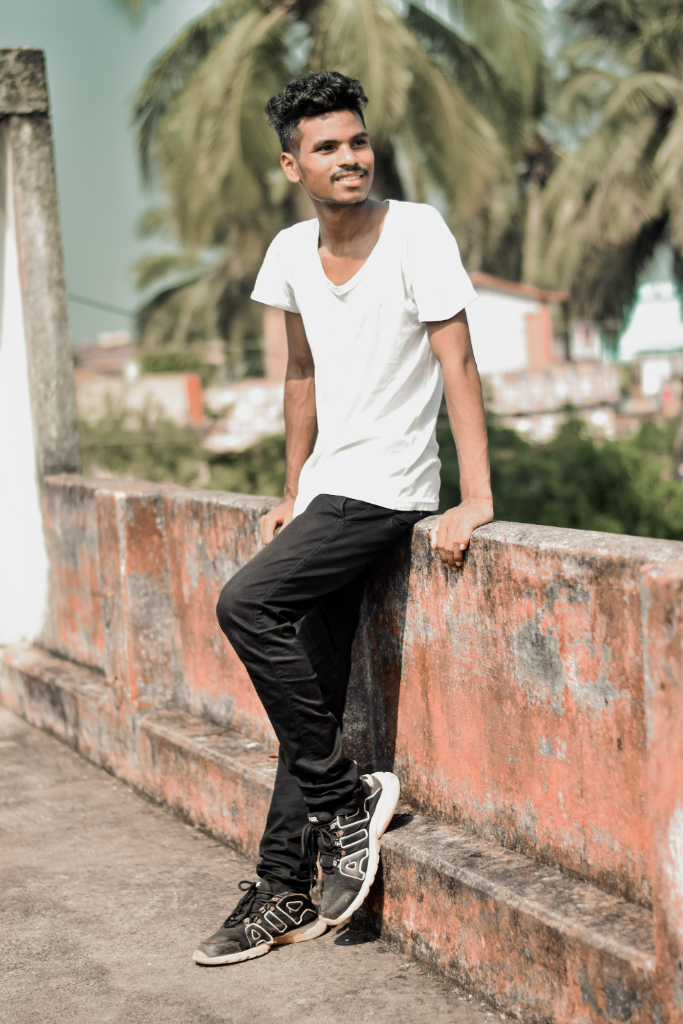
pixel 652 342
pixel 171 396
pixel 107 376
pixel 523 346
pixel 252 409
pixel 512 325
pixel 655 323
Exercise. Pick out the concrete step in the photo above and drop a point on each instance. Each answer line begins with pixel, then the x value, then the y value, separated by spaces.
pixel 536 942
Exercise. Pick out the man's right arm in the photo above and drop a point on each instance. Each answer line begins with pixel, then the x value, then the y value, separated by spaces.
pixel 300 422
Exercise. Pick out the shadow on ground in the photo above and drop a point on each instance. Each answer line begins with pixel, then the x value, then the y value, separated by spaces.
pixel 104 895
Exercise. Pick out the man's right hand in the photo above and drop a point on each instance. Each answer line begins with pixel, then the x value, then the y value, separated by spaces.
pixel 281 515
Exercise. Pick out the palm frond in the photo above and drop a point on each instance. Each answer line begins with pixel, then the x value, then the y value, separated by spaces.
pixel 668 166
pixel 215 148
pixel 152 222
pixel 460 147
pixel 171 70
pixel 200 307
pixel 151 269
pixel 367 40
pixel 600 198
pixel 586 92
pixel 638 95
pixel 502 105
pixel 614 21
pixel 509 34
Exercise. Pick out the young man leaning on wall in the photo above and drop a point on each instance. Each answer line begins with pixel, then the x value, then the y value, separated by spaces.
pixel 374 296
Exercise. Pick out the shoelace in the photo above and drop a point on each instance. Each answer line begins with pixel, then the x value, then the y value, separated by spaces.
pixel 253 898
pixel 320 840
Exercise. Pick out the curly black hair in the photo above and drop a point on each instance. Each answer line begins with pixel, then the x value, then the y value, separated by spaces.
pixel 321 92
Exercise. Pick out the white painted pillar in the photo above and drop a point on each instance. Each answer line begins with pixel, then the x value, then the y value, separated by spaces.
pixel 24 577
pixel 38 426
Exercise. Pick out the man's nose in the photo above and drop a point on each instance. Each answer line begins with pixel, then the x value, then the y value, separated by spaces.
pixel 345 156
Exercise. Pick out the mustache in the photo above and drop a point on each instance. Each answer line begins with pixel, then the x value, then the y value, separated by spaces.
pixel 349 170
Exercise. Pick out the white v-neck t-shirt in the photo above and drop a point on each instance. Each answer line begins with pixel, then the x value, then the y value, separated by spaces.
pixel 378 384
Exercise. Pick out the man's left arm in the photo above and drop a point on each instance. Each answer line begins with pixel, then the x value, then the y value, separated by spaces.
pixel 450 341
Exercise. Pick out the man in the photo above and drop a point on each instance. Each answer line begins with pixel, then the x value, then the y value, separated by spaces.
pixel 374 295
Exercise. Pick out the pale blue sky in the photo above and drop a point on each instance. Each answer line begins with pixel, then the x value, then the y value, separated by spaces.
pixel 95 59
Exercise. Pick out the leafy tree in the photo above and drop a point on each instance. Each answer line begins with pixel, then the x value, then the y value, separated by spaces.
pixel 258 470
pixel 142 446
pixel 451 102
pixel 615 487
pixel 620 191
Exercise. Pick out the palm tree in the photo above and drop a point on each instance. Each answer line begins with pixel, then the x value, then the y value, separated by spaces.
pixel 451 101
pixel 619 191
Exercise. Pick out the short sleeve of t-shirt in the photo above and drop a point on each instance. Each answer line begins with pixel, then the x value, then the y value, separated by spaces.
pixel 272 286
pixel 441 286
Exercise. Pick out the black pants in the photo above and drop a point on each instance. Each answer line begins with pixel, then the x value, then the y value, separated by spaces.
pixel 291 614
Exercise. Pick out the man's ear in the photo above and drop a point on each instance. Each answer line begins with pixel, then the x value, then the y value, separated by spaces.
pixel 290 167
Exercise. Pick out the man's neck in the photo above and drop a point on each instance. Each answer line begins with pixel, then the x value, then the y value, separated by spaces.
pixel 341 225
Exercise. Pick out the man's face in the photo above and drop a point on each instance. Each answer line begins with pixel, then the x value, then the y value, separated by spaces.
pixel 332 158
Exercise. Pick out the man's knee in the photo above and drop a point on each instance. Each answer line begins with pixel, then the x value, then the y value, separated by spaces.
pixel 233 608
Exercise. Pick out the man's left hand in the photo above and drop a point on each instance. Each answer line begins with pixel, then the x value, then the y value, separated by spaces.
pixel 451 535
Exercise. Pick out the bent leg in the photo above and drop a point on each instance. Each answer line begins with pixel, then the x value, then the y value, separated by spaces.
pixel 322 550
pixel 326 635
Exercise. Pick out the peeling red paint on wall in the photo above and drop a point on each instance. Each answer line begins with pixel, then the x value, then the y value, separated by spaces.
pixel 511 697
pixel 663 633
pixel 137 572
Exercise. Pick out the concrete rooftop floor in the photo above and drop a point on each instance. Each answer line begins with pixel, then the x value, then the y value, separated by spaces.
pixel 104 894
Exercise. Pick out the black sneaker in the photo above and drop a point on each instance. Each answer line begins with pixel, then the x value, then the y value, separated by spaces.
pixel 346 846
pixel 260 920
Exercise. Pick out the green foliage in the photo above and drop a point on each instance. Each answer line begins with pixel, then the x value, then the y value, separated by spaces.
pixel 611 201
pixel 258 470
pixel 170 362
pixel 615 487
pixel 174 361
pixel 142 446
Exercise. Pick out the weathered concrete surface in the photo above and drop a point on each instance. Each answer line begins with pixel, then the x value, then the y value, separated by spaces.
pixel 103 896
pixel 23 100
pixel 38 421
pixel 663 630
pixel 137 572
pixel 74 704
pixel 23 84
pixel 509 697
pixel 530 939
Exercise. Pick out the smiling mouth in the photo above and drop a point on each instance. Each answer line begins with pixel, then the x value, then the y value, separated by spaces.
pixel 349 179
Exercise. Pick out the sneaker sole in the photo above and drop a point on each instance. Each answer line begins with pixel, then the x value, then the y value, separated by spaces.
pixel 308 931
pixel 391 789
pixel 231 958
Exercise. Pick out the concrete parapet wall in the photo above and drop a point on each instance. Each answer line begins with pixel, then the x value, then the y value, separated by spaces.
pixel 531 705
pixel 137 572
pixel 509 698
pixel 662 605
